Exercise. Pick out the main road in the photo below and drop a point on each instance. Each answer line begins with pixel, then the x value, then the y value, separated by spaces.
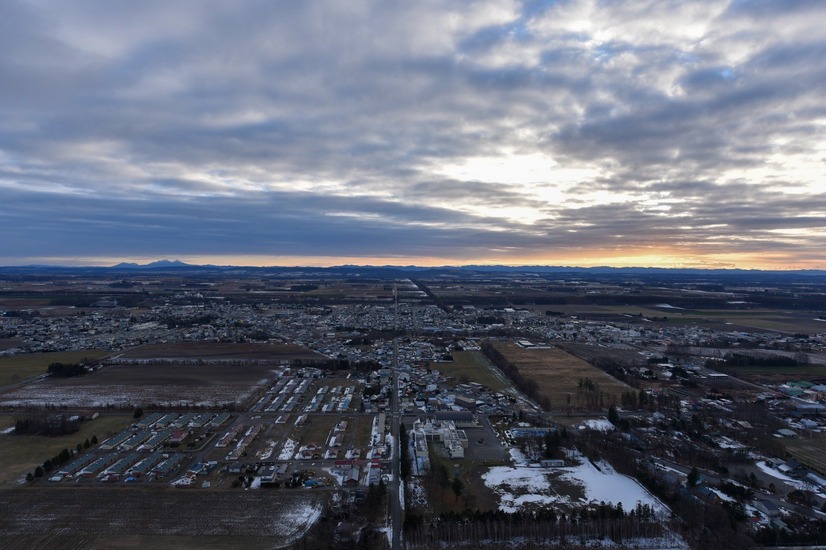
pixel 395 493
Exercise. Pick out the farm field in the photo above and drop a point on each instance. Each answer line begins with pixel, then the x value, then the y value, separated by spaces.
pixel 473 366
pixel 811 452
pixel 778 375
pixel 19 367
pixel 762 319
pixel 132 385
pixel 102 517
pixel 558 374
pixel 22 453
pixel 219 350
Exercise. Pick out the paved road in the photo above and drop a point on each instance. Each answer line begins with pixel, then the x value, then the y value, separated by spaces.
pixel 395 504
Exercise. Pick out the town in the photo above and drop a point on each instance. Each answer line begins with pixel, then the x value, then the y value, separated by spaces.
pixel 378 407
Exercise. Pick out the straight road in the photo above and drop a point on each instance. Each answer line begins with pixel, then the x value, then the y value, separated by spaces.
pixel 395 494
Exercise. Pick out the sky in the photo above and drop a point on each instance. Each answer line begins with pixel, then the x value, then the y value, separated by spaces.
pixel 639 133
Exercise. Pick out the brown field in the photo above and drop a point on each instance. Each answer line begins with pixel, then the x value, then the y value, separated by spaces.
pixel 220 350
pixel 106 517
pixel 558 373
pixel 318 429
pixel 22 453
pixel 132 385
pixel 762 319
pixel 179 375
pixel 811 452
pixel 19 367
pixel 473 367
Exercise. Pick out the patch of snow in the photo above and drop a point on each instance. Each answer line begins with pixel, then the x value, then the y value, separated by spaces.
pixel 724 497
pixel 298 521
pixel 599 424
pixel 388 531
pixel 518 458
pixel 766 469
pixel 609 486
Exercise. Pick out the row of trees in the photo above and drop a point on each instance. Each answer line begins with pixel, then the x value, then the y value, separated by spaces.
pixel 477 528
pixel 771 360
pixel 41 423
pixel 404 448
pixel 526 385
pixel 58 460
pixel 66 370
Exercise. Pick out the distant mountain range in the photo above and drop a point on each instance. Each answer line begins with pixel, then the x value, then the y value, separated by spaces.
pixel 390 271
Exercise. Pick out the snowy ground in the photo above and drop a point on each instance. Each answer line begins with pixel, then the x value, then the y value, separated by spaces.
pixel 418 496
pixel 795 483
pixel 599 424
pixel 40 394
pixel 295 523
pixel 523 487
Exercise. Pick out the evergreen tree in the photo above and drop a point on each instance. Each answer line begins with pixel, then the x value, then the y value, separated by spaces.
pixel 693 477
pixel 613 415
pixel 457 487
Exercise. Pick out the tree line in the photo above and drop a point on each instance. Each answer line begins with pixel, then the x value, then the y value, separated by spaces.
pixel 526 385
pixel 495 527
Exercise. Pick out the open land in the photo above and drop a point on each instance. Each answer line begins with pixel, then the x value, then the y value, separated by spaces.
pixel 111 517
pixel 522 488
pixel 22 453
pixel 18 367
pixel 559 374
pixel 474 367
pixel 212 350
pixel 810 451
pixel 141 385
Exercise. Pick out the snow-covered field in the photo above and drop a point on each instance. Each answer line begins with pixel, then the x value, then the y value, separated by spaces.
pixel 296 522
pixel 523 487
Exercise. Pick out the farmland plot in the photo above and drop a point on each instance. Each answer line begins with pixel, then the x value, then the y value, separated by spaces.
pixel 133 385
pixel 96 516
pixel 558 374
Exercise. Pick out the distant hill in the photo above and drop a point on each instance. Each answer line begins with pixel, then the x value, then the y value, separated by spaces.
pixel 160 264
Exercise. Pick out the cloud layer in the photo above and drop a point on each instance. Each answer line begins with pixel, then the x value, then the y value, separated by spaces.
pixel 648 133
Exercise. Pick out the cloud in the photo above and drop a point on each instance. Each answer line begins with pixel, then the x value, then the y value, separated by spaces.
pixel 466 130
